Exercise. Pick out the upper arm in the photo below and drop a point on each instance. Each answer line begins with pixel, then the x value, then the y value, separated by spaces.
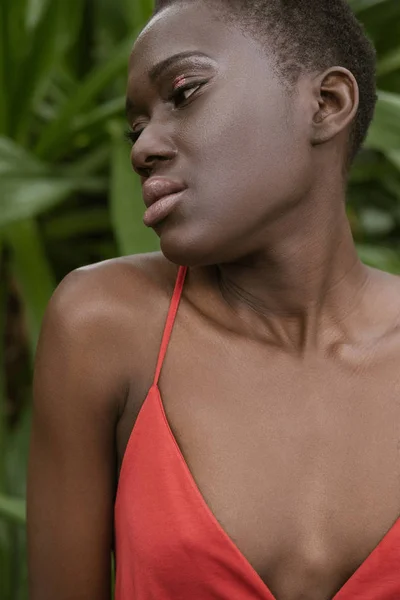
pixel 72 466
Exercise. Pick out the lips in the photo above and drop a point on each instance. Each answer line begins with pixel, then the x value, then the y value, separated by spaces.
pixel 156 188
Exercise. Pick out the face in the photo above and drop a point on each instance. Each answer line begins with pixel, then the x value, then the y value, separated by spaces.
pixel 234 135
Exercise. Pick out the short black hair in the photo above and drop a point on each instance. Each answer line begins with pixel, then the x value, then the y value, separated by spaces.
pixel 309 35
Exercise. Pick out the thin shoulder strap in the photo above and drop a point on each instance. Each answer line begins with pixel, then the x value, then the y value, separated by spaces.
pixel 173 309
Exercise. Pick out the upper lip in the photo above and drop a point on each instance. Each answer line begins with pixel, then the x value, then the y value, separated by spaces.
pixel 158 187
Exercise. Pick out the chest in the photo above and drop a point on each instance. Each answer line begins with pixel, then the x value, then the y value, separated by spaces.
pixel 300 464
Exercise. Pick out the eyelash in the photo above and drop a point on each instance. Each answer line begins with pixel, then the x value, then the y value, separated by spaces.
pixel 133 136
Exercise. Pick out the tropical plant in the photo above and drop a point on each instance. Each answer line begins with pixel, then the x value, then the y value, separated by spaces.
pixel 68 197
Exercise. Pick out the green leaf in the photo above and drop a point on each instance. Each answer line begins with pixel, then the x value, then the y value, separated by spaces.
pixel 13 509
pixel 394 157
pixel 380 257
pixel 16 457
pixel 41 54
pixel 139 11
pixel 27 196
pixel 361 5
pixel 384 133
pixel 92 161
pixel 28 187
pixel 25 186
pixel 3 398
pixel 369 165
pixel 392 184
pixel 13 158
pixel 93 121
pixel 376 222
pixel 73 26
pixel 15 25
pixel 34 12
pixel 77 223
pixel 389 63
pixel 126 204
pixel 32 272
pixel 4 69
pixel 51 143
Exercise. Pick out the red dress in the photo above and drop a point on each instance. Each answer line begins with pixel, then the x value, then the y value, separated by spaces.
pixel 169 545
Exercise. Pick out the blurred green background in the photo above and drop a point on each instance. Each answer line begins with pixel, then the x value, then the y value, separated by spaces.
pixel 68 196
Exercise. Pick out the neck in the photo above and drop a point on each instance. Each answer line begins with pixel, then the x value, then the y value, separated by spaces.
pixel 304 281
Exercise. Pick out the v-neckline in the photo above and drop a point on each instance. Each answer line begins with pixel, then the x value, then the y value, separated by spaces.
pixel 262 585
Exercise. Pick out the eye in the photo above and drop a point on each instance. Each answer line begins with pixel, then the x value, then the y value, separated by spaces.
pixel 184 93
pixel 132 136
pixel 179 96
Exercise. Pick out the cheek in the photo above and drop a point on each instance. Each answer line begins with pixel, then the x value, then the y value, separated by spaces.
pixel 244 155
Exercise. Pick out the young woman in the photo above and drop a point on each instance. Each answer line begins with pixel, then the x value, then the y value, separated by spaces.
pixel 225 413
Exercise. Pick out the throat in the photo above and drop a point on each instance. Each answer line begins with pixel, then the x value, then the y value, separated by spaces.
pixel 299 320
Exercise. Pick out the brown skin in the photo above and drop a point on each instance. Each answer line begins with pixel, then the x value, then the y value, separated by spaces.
pixel 281 382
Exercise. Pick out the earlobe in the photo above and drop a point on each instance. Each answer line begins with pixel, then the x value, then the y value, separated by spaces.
pixel 338 100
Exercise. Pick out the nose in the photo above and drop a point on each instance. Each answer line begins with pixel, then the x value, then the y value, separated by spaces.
pixel 152 147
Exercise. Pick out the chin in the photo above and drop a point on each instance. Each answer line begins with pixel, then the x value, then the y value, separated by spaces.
pixel 198 246
pixel 187 246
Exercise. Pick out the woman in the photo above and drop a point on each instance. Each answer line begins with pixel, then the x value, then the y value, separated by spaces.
pixel 263 416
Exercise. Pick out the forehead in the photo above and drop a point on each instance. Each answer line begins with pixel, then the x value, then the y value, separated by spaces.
pixel 191 26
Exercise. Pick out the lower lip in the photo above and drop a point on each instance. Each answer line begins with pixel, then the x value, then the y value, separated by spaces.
pixel 161 209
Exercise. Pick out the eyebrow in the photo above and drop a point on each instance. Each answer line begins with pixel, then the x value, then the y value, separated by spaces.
pixel 159 68
pixel 156 71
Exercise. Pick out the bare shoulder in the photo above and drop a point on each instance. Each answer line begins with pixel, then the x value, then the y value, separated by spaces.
pixel 114 292
pixel 90 343
pixel 387 296
pixel 117 281
pixel 105 309
pixel 383 320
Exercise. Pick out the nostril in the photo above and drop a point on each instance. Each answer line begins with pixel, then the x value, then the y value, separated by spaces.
pixel 144 172
pixel 151 162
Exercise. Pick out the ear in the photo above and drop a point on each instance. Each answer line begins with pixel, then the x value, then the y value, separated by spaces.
pixel 337 93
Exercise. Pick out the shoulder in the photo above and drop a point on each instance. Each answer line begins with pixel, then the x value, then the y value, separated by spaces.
pixel 92 346
pixel 387 295
pixel 105 313
pixel 114 292
pixel 384 319
pixel 116 280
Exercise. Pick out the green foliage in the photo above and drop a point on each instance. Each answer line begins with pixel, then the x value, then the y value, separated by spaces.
pixel 65 177
pixel 125 214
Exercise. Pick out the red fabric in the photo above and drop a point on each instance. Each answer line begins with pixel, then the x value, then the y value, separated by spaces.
pixel 169 545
